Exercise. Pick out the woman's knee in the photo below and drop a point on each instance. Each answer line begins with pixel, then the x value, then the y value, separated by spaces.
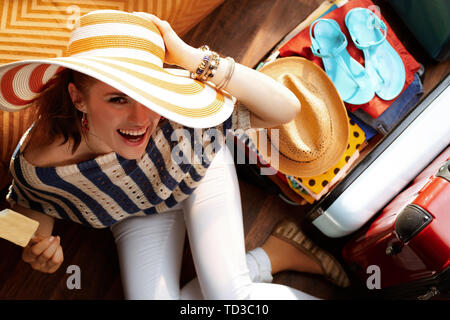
pixel 150 255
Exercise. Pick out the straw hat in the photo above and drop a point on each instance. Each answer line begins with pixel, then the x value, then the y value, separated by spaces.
pixel 316 139
pixel 126 51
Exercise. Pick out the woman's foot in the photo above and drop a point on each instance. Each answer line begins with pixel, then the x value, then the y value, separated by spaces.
pixel 288 248
pixel 285 256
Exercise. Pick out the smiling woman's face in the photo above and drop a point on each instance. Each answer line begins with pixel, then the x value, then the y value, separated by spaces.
pixel 116 122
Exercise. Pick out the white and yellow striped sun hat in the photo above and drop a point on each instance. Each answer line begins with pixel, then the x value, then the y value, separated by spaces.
pixel 126 51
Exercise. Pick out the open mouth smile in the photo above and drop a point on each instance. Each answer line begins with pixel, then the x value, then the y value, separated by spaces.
pixel 133 137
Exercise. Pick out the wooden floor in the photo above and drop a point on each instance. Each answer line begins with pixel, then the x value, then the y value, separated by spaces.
pixel 246 30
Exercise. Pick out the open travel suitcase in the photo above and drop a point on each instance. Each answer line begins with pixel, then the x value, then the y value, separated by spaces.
pixel 406 250
pixel 382 170
pixel 388 167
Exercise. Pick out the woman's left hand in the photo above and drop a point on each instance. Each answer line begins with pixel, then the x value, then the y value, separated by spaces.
pixel 175 47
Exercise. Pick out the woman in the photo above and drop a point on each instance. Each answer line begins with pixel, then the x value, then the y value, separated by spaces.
pixel 99 154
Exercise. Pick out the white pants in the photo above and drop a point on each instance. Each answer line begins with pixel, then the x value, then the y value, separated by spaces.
pixel 150 248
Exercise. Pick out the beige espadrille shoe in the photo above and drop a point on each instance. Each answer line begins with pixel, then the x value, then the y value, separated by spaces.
pixel 289 231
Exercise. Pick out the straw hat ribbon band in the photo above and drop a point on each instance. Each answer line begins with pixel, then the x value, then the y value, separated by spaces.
pixel 208 110
pixel 114 41
pixel 112 17
pixel 186 89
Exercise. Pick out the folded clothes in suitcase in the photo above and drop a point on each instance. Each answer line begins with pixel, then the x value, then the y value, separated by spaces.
pixel 396 111
pixel 388 167
pixel 409 242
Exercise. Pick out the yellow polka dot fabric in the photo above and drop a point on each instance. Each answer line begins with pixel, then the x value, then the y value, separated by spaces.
pixel 316 184
pixel 294 185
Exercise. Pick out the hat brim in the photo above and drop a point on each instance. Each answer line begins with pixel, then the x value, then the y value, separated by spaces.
pixel 174 95
pixel 307 71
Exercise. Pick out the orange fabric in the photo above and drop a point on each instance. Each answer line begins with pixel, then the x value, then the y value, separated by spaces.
pixel 12 127
pixel 301 45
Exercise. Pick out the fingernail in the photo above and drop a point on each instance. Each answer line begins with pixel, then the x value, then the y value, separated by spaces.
pixel 51 239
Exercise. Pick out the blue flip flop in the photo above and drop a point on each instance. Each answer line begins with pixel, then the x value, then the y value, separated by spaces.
pixel 349 77
pixel 382 62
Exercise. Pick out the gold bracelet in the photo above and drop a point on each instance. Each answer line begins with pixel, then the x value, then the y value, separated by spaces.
pixel 214 62
pixel 208 66
pixel 229 74
pixel 201 67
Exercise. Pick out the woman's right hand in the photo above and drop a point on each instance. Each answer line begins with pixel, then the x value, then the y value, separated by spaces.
pixel 176 48
pixel 43 253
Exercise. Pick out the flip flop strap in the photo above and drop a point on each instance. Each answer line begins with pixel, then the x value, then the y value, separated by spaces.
pixel 315 48
pixel 376 23
pixel 376 63
pixel 335 52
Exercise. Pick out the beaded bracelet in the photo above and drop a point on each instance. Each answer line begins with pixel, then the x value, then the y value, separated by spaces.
pixel 214 62
pixel 202 66
pixel 208 66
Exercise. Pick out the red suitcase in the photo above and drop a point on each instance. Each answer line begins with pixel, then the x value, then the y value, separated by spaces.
pixel 405 251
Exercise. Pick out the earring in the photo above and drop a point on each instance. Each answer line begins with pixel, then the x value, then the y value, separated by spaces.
pixel 84 122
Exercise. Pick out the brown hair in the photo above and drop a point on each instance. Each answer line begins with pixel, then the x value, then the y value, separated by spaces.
pixel 55 115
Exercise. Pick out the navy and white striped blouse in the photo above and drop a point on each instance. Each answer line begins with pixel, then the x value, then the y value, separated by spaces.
pixel 109 188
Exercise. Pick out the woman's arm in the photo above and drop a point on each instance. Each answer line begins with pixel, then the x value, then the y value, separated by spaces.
pixel 44 252
pixel 45 222
pixel 269 102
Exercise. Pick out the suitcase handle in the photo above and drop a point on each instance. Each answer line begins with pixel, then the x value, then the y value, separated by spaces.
pixel 394 248
pixel 411 221
pixel 444 171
